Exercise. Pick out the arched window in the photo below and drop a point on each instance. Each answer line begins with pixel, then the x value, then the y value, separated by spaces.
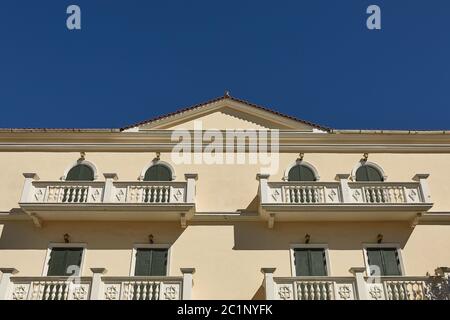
pixel 301 172
pixel 368 172
pixel 158 172
pixel 80 172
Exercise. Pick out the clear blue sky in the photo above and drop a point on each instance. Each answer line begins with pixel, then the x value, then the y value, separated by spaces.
pixel 313 59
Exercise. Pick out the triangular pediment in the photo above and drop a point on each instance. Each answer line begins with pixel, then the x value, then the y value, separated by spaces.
pixel 225 113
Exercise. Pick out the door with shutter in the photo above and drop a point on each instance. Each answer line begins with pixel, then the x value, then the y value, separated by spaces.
pixel 386 260
pixel 64 261
pixel 310 262
pixel 151 262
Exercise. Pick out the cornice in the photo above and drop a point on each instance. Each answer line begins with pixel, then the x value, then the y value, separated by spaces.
pixel 289 141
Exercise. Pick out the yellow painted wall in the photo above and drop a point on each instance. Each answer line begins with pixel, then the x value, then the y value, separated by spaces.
pixel 227 256
pixel 222 187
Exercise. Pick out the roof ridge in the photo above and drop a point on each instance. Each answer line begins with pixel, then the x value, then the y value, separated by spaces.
pixel 224 97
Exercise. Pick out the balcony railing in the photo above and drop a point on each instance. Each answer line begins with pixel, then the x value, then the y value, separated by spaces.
pixel 358 287
pixel 47 199
pixel 392 200
pixel 97 287
pixel 142 288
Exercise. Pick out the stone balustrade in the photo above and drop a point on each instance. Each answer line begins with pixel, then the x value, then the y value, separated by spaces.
pixel 343 192
pixel 358 287
pixel 110 191
pixel 97 287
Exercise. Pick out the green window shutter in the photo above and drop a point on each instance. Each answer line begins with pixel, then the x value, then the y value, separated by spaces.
pixel 375 259
pixel 73 261
pixel 151 262
pixel 317 262
pixel 301 262
pixel 158 173
pixel 301 173
pixel 310 262
pixel 386 259
pixel 56 264
pixel 391 262
pixel 61 259
pixel 143 259
pixel 159 263
pixel 368 173
pixel 80 172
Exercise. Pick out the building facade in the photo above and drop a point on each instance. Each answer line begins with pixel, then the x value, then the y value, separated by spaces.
pixel 258 205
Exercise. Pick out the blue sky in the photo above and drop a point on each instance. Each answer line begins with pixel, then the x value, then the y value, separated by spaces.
pixel 313 59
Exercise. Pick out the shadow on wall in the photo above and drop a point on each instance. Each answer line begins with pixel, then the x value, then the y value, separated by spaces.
pixel 338 235
pixel 98 235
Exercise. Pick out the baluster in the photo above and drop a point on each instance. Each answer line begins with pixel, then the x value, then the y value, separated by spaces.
pixel 312 293
pixel 390 294
pixel 368 196
pixel 401 195
pixel 402 292
pixel 138 290
pixel 317 288
pixel 419 291
pixel 152 194
pixel 377 195
pixel 302 195
pixel 145 290
pixel 60 292
pixel 42 291
pixel 309 194
pixel 306 291
pixel 395 291
pixel 330 292
pixel 323 291
pixel 86 192
pixel 387 194
pixel 287 192
pixel 296 194
pixel 299 290
pixel 67 286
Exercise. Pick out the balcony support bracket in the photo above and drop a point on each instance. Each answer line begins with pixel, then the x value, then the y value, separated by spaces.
pixel 271 221
pixel 36 220
pixel 183 220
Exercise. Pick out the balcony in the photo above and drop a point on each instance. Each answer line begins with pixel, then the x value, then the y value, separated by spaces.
pixel 358 287
pixel 97 287
pixel 343 200
pixel 111 199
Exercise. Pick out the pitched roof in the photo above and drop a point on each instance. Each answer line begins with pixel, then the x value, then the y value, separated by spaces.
pixel 224 97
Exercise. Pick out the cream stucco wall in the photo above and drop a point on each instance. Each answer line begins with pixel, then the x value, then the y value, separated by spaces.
pixel 225 188
pixel 227 256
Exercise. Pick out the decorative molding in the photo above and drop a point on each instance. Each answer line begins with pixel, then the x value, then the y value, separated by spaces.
pixel 154 163
pixel 370 164
pixel 303 163
pixel 84 162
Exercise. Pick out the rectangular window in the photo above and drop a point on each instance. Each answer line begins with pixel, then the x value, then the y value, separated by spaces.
pixel 385 259
pixel 65 261
pixel 151 262
pixel 310 262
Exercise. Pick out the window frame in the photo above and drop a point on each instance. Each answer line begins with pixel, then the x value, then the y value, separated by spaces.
pixel 149 246
pixel 381 246
pixel 52 245
pixel 309 246
pixel 370 164
pixel 83 162
pixel 154 163
pixel 302 163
